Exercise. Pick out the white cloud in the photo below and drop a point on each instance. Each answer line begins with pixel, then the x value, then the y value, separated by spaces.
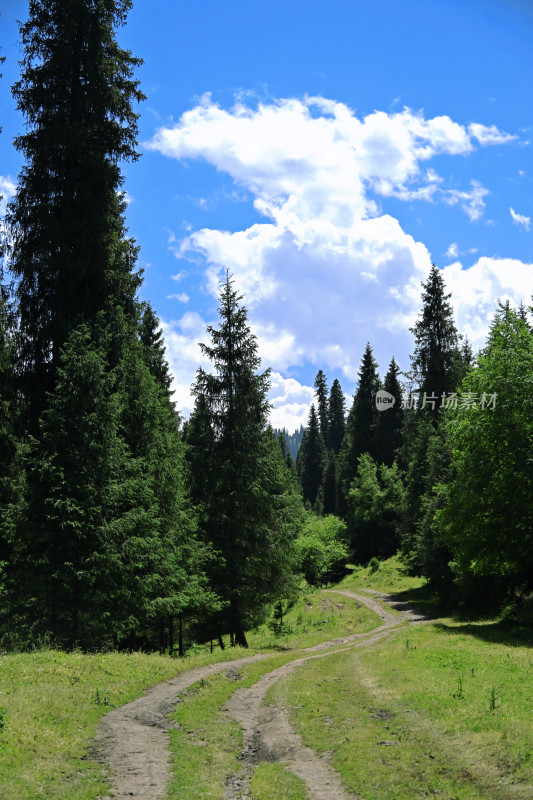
pixel 452 251
pixel 7 189
pixel 290 401
pixel 326 270
pixel 182 297
pixel 311 156
pixel 184 355
pixel 489 134
pixel 476 291
pixel 520 219
pixel 472 202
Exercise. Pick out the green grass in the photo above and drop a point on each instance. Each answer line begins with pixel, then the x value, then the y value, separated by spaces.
pixel 441 709
pixel 317 616
pixel 391 578
pixel 51 702
pixel 434 711
pixel 50 706
pixel 273 781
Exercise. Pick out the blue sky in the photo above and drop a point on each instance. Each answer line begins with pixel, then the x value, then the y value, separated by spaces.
pixel 326 153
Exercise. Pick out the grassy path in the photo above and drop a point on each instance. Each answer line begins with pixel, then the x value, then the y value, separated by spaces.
pixel 369 704
pixel 132 740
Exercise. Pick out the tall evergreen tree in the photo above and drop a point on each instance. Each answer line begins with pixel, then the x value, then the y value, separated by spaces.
pixel 63 534
pixel 436 358
pixel 390 421
pixel 246 512
pixel 311 457
pixel 337 417
pixel 106 511
pixel 9 435
pixel 329 490
pixel 70 255
pixel 321 387
pixel 361 424
pixel 151 337
pixel 437 367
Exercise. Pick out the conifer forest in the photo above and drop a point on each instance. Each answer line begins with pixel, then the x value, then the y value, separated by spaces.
pixel 125 526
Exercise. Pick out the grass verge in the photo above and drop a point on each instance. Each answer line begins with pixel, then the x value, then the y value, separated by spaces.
pixel 432 711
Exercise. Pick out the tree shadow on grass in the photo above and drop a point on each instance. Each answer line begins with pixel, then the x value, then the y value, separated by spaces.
pixel 421 600
pixel 511 632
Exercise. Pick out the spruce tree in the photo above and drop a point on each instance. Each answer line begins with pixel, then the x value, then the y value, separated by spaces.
pixel 436 357
pixel 70 255
pixel 174 584
pixel 390 421
pixel 246 512
pixel 311 457
pixel 437 367
pixel 321 387
pixel 151 337
pixel 361 424
pixel 114 513
pixel 337 417
pixel 329 491
pixel 63 532
pixel 9 435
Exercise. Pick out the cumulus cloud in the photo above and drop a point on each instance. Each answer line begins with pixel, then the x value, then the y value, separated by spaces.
pixel 290 401
pixel 313 156
pixel 326 269
pixel 520 219
pixel 476 291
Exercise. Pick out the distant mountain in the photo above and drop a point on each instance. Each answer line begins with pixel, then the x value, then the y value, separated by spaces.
pixel 293 440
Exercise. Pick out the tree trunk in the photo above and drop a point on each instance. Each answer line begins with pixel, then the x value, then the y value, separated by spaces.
pixel 161 635
pixel 180 636
pixel 171 634
pixel 240 636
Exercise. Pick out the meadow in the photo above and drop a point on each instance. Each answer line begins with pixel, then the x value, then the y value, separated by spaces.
pixel 438 709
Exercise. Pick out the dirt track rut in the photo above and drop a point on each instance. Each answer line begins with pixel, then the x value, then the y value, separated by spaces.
pixel 132 741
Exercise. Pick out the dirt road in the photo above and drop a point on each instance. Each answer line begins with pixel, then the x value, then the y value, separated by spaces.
pixel 133 744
